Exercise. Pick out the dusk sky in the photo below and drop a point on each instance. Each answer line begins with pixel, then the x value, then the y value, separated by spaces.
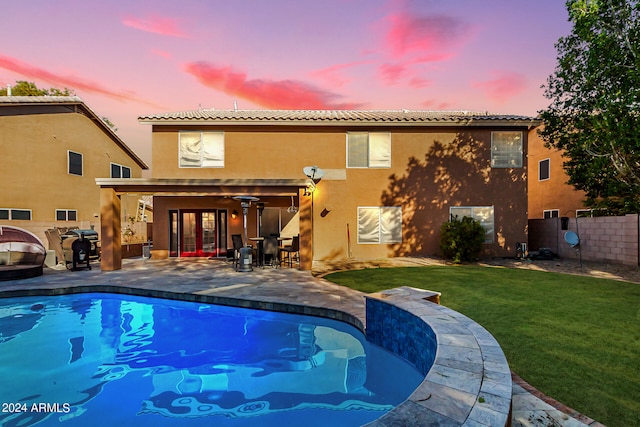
pixel 128 58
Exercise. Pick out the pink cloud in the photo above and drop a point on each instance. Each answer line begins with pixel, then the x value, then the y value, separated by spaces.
pixel 161 53
pixel 419 83
pixel 392 72
pixel 409 34
pixel 505 85
pixel 432 104
pixel 76 84
pixel 277 94
pixel 156 25
pixel 333 75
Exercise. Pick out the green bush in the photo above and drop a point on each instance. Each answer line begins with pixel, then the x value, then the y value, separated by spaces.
pixel 461 240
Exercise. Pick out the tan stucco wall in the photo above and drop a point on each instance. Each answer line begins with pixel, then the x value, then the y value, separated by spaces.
pixel 34 168
pixel 553 193
pixel 432 169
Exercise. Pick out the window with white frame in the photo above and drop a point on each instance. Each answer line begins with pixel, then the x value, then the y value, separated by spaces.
pixel 368 150
pixel 380 225
pixel 201 149
pixel 484 214
pixel 66 215
pixel 544 173
pixel 506 149
pixel 120 171
pixel 15 214
pixel 74 163
pixel 550 213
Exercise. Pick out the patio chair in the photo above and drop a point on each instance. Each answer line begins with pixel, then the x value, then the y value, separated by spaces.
pixel 270 251
pixel 292 251
pixel 55 243
pixel 236 239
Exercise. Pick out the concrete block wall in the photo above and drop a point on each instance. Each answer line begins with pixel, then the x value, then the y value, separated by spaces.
pixel 604 239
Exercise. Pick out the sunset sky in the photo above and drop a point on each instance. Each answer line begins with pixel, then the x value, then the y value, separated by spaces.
pixel 127 58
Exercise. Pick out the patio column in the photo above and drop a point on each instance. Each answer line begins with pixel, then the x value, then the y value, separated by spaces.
pixel 306 231
pixel 110 233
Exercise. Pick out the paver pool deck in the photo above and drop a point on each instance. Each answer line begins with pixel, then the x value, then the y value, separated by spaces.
pixel 270 285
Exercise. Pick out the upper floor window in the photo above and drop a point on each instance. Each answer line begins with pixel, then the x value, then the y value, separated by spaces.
pixel 119 171
pixel 368 150
pixel 380 224
pixel 201 149
pixel 543 170
pixel 74 163
pixel 484 214
pixel 15 214
pixel 550 213
pixel 66 215
pixel 506 149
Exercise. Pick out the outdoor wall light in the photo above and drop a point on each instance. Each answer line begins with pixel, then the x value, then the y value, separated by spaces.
pixel 234 214
pixel 309 189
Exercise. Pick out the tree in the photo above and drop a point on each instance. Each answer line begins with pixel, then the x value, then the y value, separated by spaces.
pixel 594 112
pixel 24 88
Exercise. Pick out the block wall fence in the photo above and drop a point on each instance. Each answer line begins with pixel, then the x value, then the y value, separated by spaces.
pixel 611 239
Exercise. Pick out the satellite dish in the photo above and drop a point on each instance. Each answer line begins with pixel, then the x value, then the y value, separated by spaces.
pixel 571 238
pixel 314 173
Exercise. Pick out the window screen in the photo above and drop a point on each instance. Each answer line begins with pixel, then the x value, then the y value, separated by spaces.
pixel 119 171
pixel 20 214
pixel 368 150
pixel 543 170
pixel 506 149
pixel 75 163
pixel 201 149
pixel 380 224
pixel 66 215
pixel 484 214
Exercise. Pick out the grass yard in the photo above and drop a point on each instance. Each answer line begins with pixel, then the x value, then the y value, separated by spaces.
pixel 576 339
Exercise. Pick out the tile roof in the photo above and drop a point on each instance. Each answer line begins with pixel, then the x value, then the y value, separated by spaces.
pixel 40 100
pixel 337 117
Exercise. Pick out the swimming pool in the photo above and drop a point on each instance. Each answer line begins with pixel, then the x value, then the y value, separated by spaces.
pixel 111 359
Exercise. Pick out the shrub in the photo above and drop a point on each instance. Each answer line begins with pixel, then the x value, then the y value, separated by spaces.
pixel 461 240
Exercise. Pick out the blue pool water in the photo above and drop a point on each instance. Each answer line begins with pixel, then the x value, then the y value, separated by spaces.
pixel 108 359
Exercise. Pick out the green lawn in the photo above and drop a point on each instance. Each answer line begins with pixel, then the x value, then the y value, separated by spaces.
pixel 576 339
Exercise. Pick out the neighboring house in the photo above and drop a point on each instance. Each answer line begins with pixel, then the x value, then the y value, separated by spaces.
pixel 53 149
pixel 391 179
pixel 549 194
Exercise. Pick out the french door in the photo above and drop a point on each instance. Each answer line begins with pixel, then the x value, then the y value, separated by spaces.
pixel 200 233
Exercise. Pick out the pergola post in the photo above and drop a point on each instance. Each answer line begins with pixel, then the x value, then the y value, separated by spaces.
pixel 306 230
pixel 110 234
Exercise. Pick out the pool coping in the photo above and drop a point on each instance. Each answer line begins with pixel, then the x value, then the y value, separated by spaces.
pixel 469 383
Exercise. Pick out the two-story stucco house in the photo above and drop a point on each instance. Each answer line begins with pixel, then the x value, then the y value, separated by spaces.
pixel 52 150
pixel 390 179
